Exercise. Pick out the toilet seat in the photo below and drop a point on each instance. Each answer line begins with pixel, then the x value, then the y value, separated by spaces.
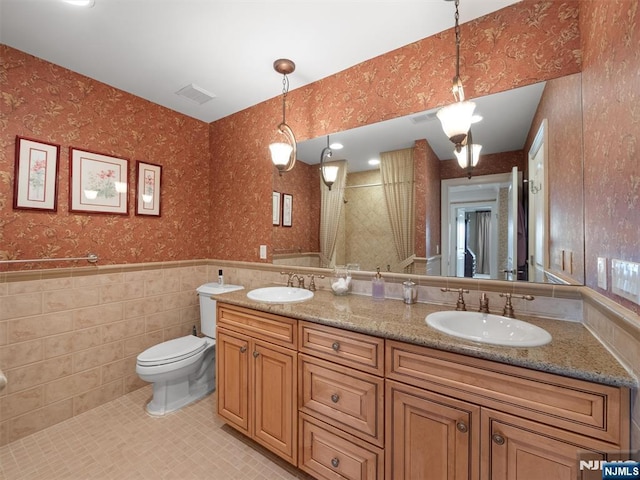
pixel 172 351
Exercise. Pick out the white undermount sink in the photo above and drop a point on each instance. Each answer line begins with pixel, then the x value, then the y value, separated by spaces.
pixel 489 328
pixel 280 294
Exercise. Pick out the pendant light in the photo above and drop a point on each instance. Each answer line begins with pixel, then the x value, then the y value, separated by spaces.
pixel 283 154
pixel 328 173
pixel 456 118
pixel 468 154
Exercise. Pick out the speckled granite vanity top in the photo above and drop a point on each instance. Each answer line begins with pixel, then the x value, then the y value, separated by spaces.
pixel 573 352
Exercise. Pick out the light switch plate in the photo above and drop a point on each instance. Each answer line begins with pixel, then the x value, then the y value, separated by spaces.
pixel 602 273
pixel 263 252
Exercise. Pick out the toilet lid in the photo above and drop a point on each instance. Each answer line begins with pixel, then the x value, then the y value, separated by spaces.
pixel 172 350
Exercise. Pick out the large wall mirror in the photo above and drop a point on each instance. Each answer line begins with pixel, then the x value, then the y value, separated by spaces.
pixel 519 216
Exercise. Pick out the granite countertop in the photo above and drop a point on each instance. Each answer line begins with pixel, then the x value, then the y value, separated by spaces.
pixel 573 352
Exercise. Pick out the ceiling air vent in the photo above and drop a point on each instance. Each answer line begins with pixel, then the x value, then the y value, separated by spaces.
pixel 195 94
pixel 425 117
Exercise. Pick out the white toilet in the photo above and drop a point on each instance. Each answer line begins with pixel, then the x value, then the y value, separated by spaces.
pixel 183 370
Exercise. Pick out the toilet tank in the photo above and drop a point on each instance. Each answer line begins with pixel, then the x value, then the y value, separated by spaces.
pixel 208 305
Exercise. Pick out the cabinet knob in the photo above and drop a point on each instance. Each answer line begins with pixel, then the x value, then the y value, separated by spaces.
pixel 255 354
pixel 335 462
pixel 336 346
pixel 335 397
pixel 243 349
pixel 497 439
pixel 462 427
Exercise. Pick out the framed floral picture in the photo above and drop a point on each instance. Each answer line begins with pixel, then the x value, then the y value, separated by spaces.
pixel 148 189
pixel 287 209
pixel 36 175
pixel 98 183
pixel 276 208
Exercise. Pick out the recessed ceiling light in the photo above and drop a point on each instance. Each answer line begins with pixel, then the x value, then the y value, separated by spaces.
pixel 80 3
pixel 374 161
pixel 336 146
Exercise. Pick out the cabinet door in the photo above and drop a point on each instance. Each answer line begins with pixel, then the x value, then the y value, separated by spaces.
pixel 517 449
pixel 430 436
pixel 232 369
pixel 275 408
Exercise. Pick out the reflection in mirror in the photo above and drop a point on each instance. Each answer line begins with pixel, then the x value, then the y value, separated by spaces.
pixel 510 122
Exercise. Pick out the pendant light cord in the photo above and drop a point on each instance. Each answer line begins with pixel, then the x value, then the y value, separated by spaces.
pixel 285 90
pixel 458 91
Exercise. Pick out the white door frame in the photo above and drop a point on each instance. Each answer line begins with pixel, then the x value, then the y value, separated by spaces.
pixel 446 209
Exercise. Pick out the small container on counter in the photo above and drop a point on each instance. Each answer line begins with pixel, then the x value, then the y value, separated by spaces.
pixel 377 286
pixel 341 281
pixel 409 292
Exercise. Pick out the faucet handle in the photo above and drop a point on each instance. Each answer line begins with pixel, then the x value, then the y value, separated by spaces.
pixel 289 278
pixel 460 306
pixel 508 307
pixel 312 283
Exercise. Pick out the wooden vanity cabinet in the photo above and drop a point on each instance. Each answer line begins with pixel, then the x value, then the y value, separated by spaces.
pixel 519 424
pixel 256 368
pixel 341 403
pixel 430 435
pixel 345 405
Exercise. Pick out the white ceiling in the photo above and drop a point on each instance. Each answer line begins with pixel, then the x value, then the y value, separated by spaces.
pixel 153 48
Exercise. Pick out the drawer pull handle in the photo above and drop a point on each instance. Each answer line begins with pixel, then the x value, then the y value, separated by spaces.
pixel 335 397
pixel 462 427
pixel 498 439
pixel 335 346
pixel 243 349
pixel 335 462
pixel 255 354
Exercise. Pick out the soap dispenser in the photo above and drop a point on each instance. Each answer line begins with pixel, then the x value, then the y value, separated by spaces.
pixel 377 285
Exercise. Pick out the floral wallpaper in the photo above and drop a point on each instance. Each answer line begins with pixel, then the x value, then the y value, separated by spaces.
pixel 45 102
pixel 518 45
pixel 611 117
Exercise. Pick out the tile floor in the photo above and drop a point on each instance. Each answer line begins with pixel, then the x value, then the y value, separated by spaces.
pixel 120 441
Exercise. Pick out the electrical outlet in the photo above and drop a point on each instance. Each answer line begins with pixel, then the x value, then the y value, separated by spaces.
pixel 263 252
pixel 602 273
pixel 625 279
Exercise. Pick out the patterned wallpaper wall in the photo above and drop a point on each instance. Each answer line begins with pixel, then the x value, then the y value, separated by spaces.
pixel 611 116
pixel 46 102
pixel 519 45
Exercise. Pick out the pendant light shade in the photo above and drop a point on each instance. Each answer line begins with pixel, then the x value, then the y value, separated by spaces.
pixel 280 154
pixel 463 155
pixel 456 120
pixel 328 173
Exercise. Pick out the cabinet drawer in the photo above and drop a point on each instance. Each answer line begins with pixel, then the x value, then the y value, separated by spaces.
pixel 346 398
pixel 328 453
pixel 355 350
pixel 265 326
pixel 579 406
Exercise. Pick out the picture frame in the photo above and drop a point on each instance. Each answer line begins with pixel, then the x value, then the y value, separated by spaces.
pixel 287 209
pixel 148 189
pixel 98 183
pixel 35 184
pixel 276 208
